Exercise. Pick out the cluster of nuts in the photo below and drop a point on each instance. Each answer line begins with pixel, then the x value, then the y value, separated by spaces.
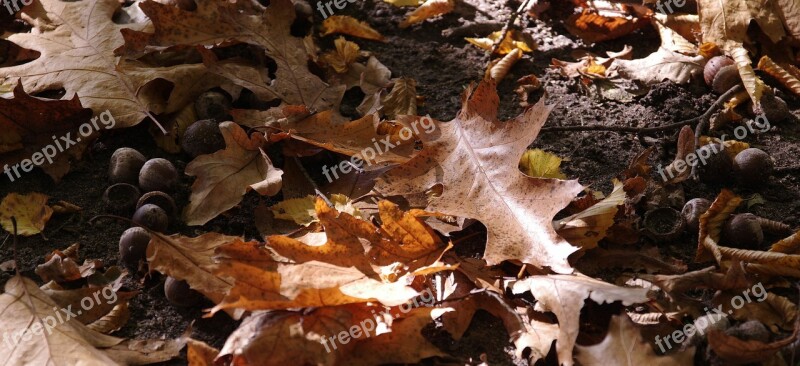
pixel 131 174
pixel 750 167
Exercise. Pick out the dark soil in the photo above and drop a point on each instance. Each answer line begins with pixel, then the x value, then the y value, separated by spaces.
pixel 443 67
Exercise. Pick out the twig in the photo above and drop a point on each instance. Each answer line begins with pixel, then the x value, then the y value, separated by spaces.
pixel 646 130
pixel 787 168
pixel 507 27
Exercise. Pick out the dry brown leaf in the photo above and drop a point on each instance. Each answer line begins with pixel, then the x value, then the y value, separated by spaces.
pixel 625 345
pixel 30 210
pixel 346 24
pixel 28 126
pixel 736 351
pixel 345 54
pixel 604 21
pixel 776 71
pixel 225 176
pixel 564 295
pixel 198 353
pixel 585 229
pixel 215 22
pixel 190 259
pixel 498 70
pixel 402 100
pixel 352 262
pixel 473 173
pixel 659 66
pixel 78 55
pixel 427 10
pixel 776 312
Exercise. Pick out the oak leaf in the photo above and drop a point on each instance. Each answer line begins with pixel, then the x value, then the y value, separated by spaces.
pixel 225 176
pixel 473 161
pixel 564 295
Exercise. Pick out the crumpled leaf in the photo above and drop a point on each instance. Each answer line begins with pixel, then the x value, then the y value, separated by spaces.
pixel 427 10
pixel 603 21
pixel 513 40
pixel 498 69
pixel 198 353
pixel 225 176
pixel 30 210
pixel 625 345
pixel 470 173
pixel 538 163
pixel 346 24
pixel 563 295
pixel 736 351
pixel 402 100
pixel 659 66
pixel 345 54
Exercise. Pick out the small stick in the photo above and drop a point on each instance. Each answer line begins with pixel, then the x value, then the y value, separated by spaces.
pixel 645 130
pixel 507 27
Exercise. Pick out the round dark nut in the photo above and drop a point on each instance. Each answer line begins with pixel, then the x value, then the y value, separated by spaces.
pixel 125 165
pixel 213 105
pixel 753 167
pixel 692 211
pixel 726 78
pixel 714 165
pixel 152 217
pixel 773 108
pixel 133 247
pixel 742 231
pixel 180 294
pixel 712 67
pixel 121 198
pixel 158 175
pixel 202 137
pixel 663 224
pixel 159 199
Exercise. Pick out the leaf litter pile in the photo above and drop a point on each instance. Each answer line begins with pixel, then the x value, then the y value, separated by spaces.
pixel 400 182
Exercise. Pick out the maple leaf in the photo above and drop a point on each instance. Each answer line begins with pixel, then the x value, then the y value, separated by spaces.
pixel 225 176
pixel 474 159
pixel 215 22
pixel 564 295
pixel 78 55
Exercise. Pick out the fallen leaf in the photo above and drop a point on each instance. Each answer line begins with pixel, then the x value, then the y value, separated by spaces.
pixel 30 210
pixel 345 24
pixel 604 20
pixel 198 353
pixel 302 212
pixel 659 66
pixel 625 345
pixel 427 10
pixel 225 176
pixel 736 351
pixel 519 223
pixel 513 40
pixel 402 100
pixel 538 163
pixel 564 295
pixel 586 228
pixel 345 54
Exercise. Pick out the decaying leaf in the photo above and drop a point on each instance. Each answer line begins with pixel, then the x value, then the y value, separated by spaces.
pixel 604 20
pixel 564 295
pixel 474 173
pixel 345 54
pixel 402 100
pixel 499 69
pixel 348 25
pixel 586 228
pixel 225 176
pixel 427 10
pixel 302 212
pixel 30 210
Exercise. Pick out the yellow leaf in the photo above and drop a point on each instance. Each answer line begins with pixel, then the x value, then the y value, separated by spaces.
pixel 302 212
pixel 429 9
pixel 538 163
pixel 31 211
pixel 348 25
pixel 513 40
pixel 345 54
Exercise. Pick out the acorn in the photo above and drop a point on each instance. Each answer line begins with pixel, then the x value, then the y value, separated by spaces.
pixel 152 217
pixel 121 198
pixel 692 211
pixel 213 105
pixel 742 231
pixel 125 165
pixel 180 294
pixel 159 199
pixel 753 167
pixel 721 74
pixel 133 247
pixel 202 137
pixel 158 175
pixel 717 167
